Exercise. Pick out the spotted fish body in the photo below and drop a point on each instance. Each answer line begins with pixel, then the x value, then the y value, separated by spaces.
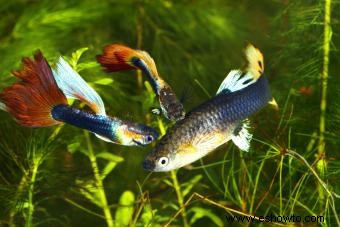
pixel 212 123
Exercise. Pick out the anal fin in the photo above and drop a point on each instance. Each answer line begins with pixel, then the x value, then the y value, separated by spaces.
pixel 241 136
pixel 103 138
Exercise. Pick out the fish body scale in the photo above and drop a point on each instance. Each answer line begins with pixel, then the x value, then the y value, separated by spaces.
pixel 222 114
pixel 99 124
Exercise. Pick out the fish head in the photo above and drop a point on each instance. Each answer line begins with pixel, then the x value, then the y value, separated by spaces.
pixel 133 134
pixel 170 105
pixel 164 158
pixel 159 161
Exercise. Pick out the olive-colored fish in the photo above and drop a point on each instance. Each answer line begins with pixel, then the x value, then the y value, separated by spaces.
pixel 117 57
pixel 216 121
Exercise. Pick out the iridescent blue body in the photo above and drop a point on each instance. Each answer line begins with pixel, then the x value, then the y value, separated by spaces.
pixel 208 126
pixel 113 129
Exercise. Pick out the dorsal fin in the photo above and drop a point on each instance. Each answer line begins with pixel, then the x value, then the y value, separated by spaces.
pixel 74 86
pixel 235 81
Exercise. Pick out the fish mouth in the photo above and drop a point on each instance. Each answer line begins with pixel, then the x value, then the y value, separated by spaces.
pixel 138 143
pixel 148 165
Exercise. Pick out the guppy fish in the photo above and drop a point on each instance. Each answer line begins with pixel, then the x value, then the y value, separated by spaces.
pixel 217 120
pixel 37 101
pixel 117 57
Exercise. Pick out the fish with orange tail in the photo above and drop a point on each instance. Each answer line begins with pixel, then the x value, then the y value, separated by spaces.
pixel 37 101
pixel 216 121
pixel 117 57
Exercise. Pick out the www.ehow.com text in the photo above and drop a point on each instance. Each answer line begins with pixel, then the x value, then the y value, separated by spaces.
pixel 274 218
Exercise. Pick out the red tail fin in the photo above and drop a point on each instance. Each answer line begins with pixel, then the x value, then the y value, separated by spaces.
pixel 31 100
pixel 117 57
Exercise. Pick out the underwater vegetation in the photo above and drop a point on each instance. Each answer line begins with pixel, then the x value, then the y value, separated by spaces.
pixel 65 176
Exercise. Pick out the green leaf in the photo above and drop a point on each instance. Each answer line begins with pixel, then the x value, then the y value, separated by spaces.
pixel 77 54
pixel 125 210
pixel 108 169
pixel 109 157
pixel 89 190
pixel 190 184
pixel 147 215
pixel 73 147
pixel 86 65
pixel 104 81
pixel 201 213
pixel 168 182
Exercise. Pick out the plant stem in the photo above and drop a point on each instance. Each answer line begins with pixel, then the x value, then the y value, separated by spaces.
pixel 20 189
pixel 324 75
pixel 34 171
pixel 139 32
pixel 179 196
pixel 324 80
pixel 99 182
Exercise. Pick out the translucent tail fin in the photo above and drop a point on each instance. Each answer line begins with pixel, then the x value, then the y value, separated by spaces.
pixel 74 86
pixel 31 100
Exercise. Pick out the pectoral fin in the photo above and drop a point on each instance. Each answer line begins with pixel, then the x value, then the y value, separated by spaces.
pixel 241 136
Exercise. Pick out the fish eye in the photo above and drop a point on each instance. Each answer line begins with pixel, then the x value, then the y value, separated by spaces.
pixel 163 161
pixel 149 138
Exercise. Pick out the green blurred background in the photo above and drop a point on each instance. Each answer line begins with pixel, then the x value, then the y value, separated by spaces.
pixel 194 44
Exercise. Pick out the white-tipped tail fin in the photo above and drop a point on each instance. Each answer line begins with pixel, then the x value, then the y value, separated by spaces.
pixel 241 136
pixel 235 81
pixel 255 63
pixel 74 86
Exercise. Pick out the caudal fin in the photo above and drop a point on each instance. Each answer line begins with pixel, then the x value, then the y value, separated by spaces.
pixel 255 63
pixel 237 79
pixel 31 99
pixel 74 86
pixel 117 57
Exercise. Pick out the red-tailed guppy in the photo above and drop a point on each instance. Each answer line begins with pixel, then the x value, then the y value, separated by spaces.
pixel 39 99
pixel 216 121
pixel 117 57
